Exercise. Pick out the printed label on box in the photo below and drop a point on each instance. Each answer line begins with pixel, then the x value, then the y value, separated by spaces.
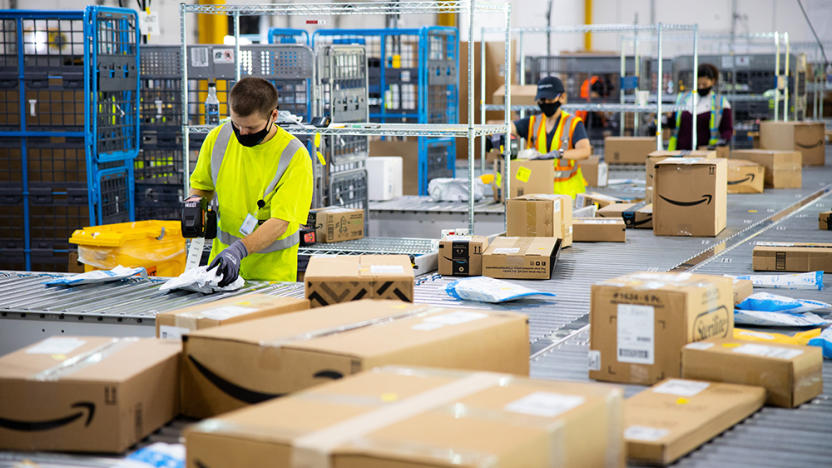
pixel 56 345
pixel 169 332
pixel 546 404
pixel 523 174
pixel 687 388
pixel 768 351
pixel 506 250
pixel 455 318
pixel 699 345
pixel 594 360
pixel 427 326
pixel 648 434
pixel 636 332
pixel 386 269
pixel 226 312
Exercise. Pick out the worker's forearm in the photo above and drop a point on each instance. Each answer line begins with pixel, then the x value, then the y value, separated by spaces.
pixel 578 153
pixel 265 235
pixel 201 193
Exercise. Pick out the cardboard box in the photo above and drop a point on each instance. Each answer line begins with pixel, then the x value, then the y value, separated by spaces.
pixel 639 216
pixel 628 150
pixel 404 422
pixel 461 255
pixel 783 168
pixel 229 367
pixel 792 256
pixel 599 230
pixel 791 374
pixel 535 215
pixel 337 224
pixel 408 150
pixel 648 194
pixel 825 221
pixel 566 203
pixel 656 156
pixel 344 278
pixel 640 322
pixel 722 151
pixel 807 137
pixel 745 176
pixel 595 198
pixel 614 210
pixel 527 177
pixel 742 289
pixel 175 323
pixel 521 257
pixel 691 197
pixel 87 394
pixel 671 419
pixel 521 95
pixel 595 171
pixel 386 174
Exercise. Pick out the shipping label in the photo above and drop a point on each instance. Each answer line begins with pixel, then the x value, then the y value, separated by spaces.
pixel 685 388
pixel 546 404
pixel 636 334
pixel 768 351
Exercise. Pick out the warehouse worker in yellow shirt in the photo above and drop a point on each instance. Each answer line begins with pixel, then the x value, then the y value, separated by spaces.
pixel 262 178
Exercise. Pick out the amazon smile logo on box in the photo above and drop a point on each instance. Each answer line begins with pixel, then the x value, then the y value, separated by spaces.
pixel 84 407
pixel 706 199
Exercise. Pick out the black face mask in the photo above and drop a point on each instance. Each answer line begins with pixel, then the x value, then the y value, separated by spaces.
pixel 704 91
pixel 252 139
pixel 549 108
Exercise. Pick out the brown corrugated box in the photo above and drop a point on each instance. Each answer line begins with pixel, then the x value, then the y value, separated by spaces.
pixel 742 289
pixel 639 216
pixel 521 95
pixel 641 321
pixel 783 168
pixel 527 176
pixel 791 374
pixel 174 323
pixel 691 197
pixel 595 198
pixel 722 151
pixel 566 203
pixel 745 176
pixel 521 257
pixel 599 230
pixel 595 171
pixel 628 150
pixel 671 419
pixel 343 278
pixel 87 394
pixel 421 417
pixel 656 156
pixel 461 255
pixel 229 367
pixel 535 215
pixel 337 224
pixel 807 137
pixel 825 220
pixel 792 256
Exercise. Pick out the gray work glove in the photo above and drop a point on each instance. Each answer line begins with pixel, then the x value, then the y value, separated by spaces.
pixel 228 261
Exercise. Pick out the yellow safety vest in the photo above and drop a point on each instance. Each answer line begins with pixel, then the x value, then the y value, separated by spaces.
pixel 713 123
pixel 569 180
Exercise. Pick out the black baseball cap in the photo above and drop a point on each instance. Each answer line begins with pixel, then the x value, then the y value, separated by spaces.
pixel 549 88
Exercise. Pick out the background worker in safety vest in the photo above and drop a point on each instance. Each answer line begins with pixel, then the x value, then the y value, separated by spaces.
pixel 262 178
pixel 555 132
pixel 714 120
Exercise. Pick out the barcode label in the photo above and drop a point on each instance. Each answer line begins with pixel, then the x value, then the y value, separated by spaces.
pixel 633 353
pixel 199 57
pixel 635 335
pixel 594 360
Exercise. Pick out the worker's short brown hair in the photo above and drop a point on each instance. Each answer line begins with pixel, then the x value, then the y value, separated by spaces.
pixel 252 94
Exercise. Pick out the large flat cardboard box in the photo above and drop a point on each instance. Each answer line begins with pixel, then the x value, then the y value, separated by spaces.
pixel 656 156
pixel 87 394
pixel 792 256
pixel 614 210
pixel 639 216
pixel 783 168
pixel 671 419
pixel 599 230
pixel 527 177
pixel 521 257
pixel 745 176
pixel 521 95
pixel 403 420
pixel 175 323
pixel 595 171
pixel 791 374
pixel 595 198
pixel 537 215
pixel 408 150
pixel 640 322
pixel 336 224
pixel 229 367
pixel 806 137
pixel 691 197
pixel 345 278
pixel 825 220
pixel 386 174
pixel 628 150
pixel 462 255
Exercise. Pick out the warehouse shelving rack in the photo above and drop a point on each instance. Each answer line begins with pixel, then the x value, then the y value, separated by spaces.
pixel 69 84
pixel 468 8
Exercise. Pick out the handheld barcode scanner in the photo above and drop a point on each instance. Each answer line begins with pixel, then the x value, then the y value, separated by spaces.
pixel 199 222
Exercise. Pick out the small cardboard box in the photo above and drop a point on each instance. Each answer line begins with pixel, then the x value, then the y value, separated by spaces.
pixel 628 150
pixel 535 216
pixel 783 168
pixel 614 210
pixel 656 156
pixel 521 257
pixel 87 394
pixel 403 420
pixel 175 323
pixel 521 95
pixel 566 203
pixel 336 224
pixel 825 220
pixel 639 216
pixel 671 419
pixel 344 278
pixel 595 198
pixel 232 366
pixel 792 256
pixel 791 374
pixel 461 255
pixel 595 171
pixel 528 176
pixel 745 176
pixel 599 230
pixel 807 137
pixel 640 322
pixel 742 289
pixel 386 174
pixel 691 197
pixel 722 151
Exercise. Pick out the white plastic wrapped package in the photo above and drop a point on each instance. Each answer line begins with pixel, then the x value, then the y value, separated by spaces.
pixel 810 280
pixel 484 289
pixel 99 276
pixel 778 319
pixel 824 341
pixel 443 189
pixel 200 280
pixel 766 302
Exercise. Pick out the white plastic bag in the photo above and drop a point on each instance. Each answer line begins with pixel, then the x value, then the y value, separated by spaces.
pixel 99 276
pixel 767 302
pixel 443 189
pixel 484 289
pixel 777 319
pixel 200 280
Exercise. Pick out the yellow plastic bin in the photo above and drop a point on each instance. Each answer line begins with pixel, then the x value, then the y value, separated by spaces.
pixel 156 245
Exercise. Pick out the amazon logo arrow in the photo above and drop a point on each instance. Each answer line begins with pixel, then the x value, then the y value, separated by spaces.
pixel 31 426
pixel 706 199
pixel 814 145
pixel 748 178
